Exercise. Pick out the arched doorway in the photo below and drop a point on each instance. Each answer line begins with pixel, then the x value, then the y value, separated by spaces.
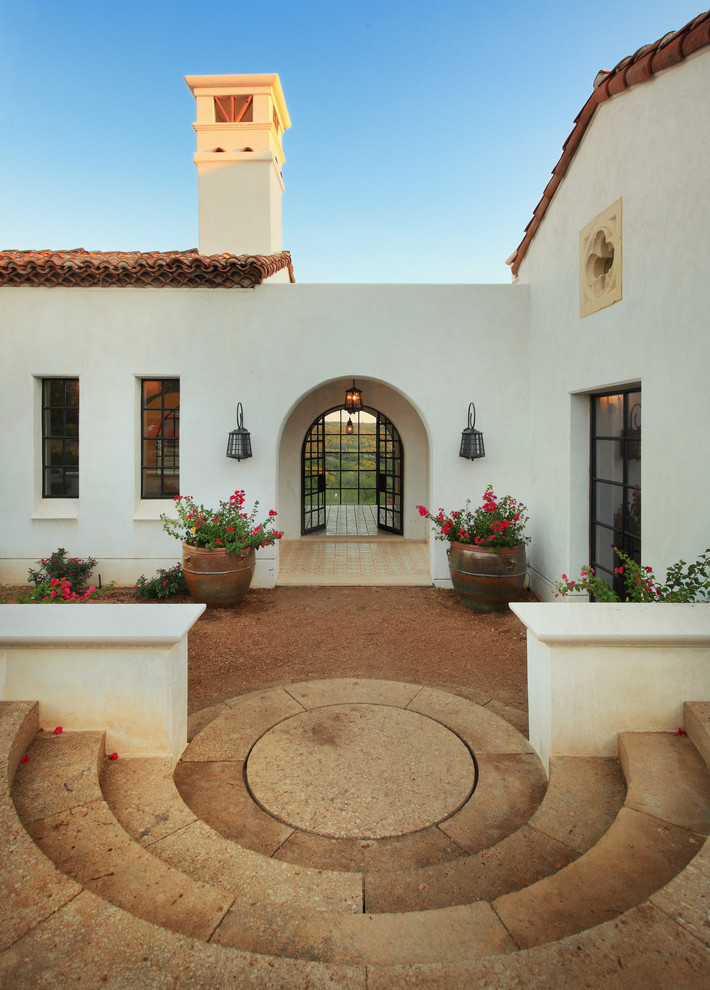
pixel 352 463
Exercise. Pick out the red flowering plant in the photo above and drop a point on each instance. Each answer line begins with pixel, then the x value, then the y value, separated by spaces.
pixel 228 528
pixel 684 582
pixel 496 523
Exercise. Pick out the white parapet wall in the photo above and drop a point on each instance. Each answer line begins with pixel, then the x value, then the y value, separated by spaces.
pixel 118 668
pixel 598 669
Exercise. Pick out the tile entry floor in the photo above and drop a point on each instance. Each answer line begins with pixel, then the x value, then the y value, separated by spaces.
pixel 351 551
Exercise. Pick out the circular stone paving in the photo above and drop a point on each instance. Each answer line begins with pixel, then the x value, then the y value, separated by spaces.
pixel 360 771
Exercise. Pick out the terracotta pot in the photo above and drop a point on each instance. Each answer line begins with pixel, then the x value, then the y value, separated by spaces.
pixel 215 577
pixel 486 580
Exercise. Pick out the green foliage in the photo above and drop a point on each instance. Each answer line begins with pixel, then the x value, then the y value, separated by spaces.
pixel 59 566
pixel 494 524
pixel 227 528
pixel 163 585
pixel 684 582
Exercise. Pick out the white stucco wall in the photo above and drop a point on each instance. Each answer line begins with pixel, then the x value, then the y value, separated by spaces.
pixel 650 147
pixel 420 353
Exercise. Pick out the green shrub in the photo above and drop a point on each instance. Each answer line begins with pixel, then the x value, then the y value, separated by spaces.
pixel 59 566
pixel 684 582
pixel 163 585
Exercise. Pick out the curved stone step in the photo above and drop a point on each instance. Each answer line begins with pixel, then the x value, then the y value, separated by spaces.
pixel 59 800
pixel 31 887
pixel 211 776
pixel 141 793
pixel 645 945
pixel 465 932
pixel 663 825
pixel 89 942
pixel 582 799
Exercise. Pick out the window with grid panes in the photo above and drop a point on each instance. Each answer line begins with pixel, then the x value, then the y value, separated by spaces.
pixel 60 438
pixel 160 437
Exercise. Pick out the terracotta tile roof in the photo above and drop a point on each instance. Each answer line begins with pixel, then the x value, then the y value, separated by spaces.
pixel 157 269
pixel 647 62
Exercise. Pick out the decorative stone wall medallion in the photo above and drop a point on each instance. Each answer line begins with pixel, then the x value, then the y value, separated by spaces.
pixel 600 261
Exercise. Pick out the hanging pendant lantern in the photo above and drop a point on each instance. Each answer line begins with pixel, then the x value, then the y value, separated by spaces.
pixel 239 441
pixel 472 440
pixel 353 399
pixel 350 429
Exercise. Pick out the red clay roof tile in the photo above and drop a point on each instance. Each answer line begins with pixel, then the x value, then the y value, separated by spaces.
pixel 155 269
pixel 668 51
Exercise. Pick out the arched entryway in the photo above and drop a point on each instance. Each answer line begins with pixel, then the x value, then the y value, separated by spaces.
pixel 352 474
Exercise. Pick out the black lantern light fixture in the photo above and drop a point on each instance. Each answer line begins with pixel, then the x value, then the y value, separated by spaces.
pixel 349 429
pixel 353 399
pixel 472 440
pixel 239 441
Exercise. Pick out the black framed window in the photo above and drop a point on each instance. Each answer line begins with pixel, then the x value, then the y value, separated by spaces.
pixel 615 469
pixel 60 438
pixel 160 437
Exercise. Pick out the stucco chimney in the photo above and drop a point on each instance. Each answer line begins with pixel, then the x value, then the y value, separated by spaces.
pixel 239 126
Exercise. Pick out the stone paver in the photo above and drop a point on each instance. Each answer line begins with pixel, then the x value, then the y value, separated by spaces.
pixel 686 898
pixel 459 932
pixel 217 793
pixel 518 860
pixel 231 736
pixel 380 771
pixel 75 757
pixel 31 887
pixel 666 778
pixel 141 794
pixel 394 855
pixel 250 877
pixel 582 800
pixel 351 690
pixel 91 943
pixel 89 845
pixel 481 729
pixel 631 861
pixel 642 950
pixel 696 719
pixel 508 790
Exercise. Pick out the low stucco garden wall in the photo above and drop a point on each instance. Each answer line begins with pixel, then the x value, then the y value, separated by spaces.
pixel 595 670
pixel 118 668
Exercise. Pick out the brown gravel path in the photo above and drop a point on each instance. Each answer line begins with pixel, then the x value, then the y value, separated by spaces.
pixel 407 634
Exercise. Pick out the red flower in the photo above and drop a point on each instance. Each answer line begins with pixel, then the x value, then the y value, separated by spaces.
pixel 273 512
pixel 58 731
pixel 681 732
pixel 114 756
pixel 24 759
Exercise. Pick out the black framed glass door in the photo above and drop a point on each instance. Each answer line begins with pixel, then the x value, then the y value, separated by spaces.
pixel 352 460
pixel 389 477
pixel 615 482
pixel 313 512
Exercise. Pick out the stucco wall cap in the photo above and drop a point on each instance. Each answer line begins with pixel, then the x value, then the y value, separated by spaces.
pixel 630 623
pixel 84 625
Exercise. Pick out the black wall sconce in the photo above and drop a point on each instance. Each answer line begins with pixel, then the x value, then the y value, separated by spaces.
pixel 353 399
pixel 239 441
pixel 472 440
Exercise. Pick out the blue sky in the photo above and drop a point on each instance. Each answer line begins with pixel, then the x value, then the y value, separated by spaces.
pixel 422 135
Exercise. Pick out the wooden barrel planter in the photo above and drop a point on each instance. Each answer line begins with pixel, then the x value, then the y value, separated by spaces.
pixel 486 580
pixel 215 577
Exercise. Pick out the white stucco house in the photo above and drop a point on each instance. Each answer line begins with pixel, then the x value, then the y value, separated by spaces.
pixel 122 372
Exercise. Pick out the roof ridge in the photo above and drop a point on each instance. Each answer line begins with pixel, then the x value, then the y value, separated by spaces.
pixel 157 269
pixel 644 64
